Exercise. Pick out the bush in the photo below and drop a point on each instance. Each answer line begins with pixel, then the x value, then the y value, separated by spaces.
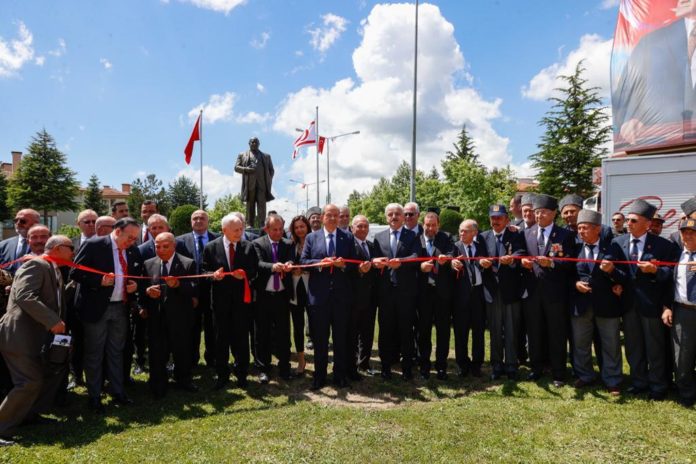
pixel 69 231
pixel 180 219
pixel 449 221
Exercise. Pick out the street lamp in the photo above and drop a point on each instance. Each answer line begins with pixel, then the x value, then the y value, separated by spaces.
pixel 305 185
pixel 330 139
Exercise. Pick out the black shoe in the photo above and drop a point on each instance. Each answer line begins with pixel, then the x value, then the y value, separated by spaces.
pixel 6 441
pixel 425 374
pixel 558 383
pixel 386 374
pixel 341 383
pixel 534 376
pixel 476 371
pixel 221 384
pixel 95 405
pixel 686 402
pixel 371 372
pixel 441 374
pixel 309 345
pixel 318 384
pixel 242 382
pixel 657 396
pixel 407 375
pixel 123 400
pixel 263 378
pixel 40 420
pixel 633 390
pixel 354 376
pixel 186 386
pixel 463 372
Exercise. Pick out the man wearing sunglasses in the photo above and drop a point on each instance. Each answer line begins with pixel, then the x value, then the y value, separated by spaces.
pixel 15 247
pixel 87 222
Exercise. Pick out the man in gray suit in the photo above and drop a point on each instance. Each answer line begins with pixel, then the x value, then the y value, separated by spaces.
pixel 257 172
pixel 35 308
pixel 17 246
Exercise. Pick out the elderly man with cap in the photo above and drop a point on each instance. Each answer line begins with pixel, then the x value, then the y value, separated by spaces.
pixel 528 218
pixel 682 317
pixel 596 302
pixel 502 279
pixel 644 334
pixel 569 206
pixel 546 278
pixel 689 209
pixel 656 224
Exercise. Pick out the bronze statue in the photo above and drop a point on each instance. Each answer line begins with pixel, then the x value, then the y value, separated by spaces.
pixel 257 172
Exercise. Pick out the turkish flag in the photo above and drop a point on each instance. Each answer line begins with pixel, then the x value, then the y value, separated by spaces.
pixel 195 135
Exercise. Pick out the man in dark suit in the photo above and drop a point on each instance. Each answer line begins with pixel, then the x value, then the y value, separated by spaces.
pixel 644 332
pixel 469 312
pixel 168 301
pixel 363 309
pixel 119 210
pixel 596 303
pixel 570 206
pixel 15 247
pixel 273 284
pixel 434 296
pixel 397 290
pixel 546 283
pixel 147 209
pixel 527 204
pixel 36 307
pixel 191 245
pixel 502 280
pixel 689 209
pixel 329 295
pixel 681 317
pixel 230 259
pixel 156 224
pixel 516 210
pixel 103 304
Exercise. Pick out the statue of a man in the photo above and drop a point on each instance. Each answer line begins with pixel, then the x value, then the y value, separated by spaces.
pixel 257 172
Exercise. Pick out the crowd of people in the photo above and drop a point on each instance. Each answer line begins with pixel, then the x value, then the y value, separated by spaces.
pixel 128 297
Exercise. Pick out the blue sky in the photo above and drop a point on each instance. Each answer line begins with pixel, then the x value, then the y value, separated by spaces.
pixel 117 83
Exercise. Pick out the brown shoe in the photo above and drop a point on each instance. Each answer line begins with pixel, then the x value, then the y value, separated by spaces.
pixel 614 391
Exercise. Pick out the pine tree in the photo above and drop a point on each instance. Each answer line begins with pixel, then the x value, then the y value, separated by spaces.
pixel 464 148
pixel 574 140
pixel 183 191
pixel 93 197
pixel 4 209
pixel 150 188
pixel 43 181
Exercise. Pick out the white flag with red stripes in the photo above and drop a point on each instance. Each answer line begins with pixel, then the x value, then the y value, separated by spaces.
pixel 308 137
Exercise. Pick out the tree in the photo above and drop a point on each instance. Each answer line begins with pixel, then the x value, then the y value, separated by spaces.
pixel 150 188
pixel 180 219
pixel 183 191
pixel 464 148
pixel 4 209
pixel 43 181
pixel 574 140
pixel 223 206
pixel 93 197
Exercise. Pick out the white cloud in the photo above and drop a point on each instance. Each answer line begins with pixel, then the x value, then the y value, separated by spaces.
pixel 39 60
pixel 609 4
pixel 106 63
pixel 218 108
pixel 252 117
pixel 596 53
pixel 379 104
pixel 221 6
pixel 260 87
pixel 260 42
pixel 15 53
pixel 60 51
pixel 299 53
pixel 215 183
pixel 323 37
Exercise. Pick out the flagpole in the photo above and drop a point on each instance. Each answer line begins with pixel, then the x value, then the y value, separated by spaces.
pixel 415 89
pixel 328 183
pixel 200 146
pixel 316 137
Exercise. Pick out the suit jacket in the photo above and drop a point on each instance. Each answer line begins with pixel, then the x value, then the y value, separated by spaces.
pixel 647 293
pixel 407 247
pixel 444 279
pixel 507 278
pixel 323 281
pixel 364 284
pixel 228 293
pixel 605 237
pixel 244 160
pixel 33 308
pixel 147 250
pixel 264 251
pixel 8 248
pixel 601 299
pixel 556 277
pixel 93 298
pixel 176 303
pixel 462 283
pixel 186 243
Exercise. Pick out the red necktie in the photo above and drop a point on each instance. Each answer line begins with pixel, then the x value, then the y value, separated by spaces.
pixel 124 271
pixel 231 256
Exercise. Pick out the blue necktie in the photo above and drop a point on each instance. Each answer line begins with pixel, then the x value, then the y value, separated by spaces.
pixel 691 279
pixel 332 247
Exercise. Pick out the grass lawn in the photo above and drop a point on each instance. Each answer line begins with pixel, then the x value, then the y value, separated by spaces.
pixel 459 420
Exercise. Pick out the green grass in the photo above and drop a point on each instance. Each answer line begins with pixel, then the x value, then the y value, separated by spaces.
pixel 460 420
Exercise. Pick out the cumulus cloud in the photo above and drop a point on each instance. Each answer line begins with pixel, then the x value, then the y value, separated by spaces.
pixel 106 63
pixel 596 53
pixel 261 41
pixel 221 6
pixel 60 51
pixel 609 4
pixel 252 117
pixel 16 52
pixel 39 60
pixel 218 108
pixel 260 87
pixel 379 104
pixel 324 36
pixel 215 183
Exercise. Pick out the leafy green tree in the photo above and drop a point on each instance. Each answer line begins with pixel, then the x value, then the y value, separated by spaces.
pixel 464 148
pixel 184 191
pixel 574 140
pixel 180 219
pixel 223 206
pixel 93 197
pixel 150 188
pixel 4 209
pixel 69 230
pixel 43 181
pixel 449 221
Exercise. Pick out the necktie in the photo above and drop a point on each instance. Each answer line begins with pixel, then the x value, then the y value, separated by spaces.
pixel 124 270
pixel 332 247
pixel 366 250
pixel 471 266
pixel 59 286
pixel 691 278
pixel 22 248
pixel 146 235
pixel 199 251
pixel 165 272
pixel 430 247
pixel 276 277
pixel 498 246
pixel 231 256
pixel 393 242
pixel 542 241
pixel 634 249
pixel 590 255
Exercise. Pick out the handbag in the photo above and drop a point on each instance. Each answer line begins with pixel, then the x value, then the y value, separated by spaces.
pixel 56 350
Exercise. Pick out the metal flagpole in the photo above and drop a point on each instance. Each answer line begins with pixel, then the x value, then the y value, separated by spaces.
pixel 200 145
pixel 415 88
pixel 328 177
pixel 316 137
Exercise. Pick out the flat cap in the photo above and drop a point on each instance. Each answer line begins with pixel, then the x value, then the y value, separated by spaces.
pixel 313 210
pixel 687 224
pixel 657 217
pixel 527 199
pixel 588 216
pixel 570 199
pixel 545 201
pixel 497 210
pixel 643 208
pixel 689 206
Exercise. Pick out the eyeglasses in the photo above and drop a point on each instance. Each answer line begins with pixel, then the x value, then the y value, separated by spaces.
pixel 409 214
pixel 20 221
pixel 616 219
pixel 89 221
pixel 632 220
pixel 72 248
